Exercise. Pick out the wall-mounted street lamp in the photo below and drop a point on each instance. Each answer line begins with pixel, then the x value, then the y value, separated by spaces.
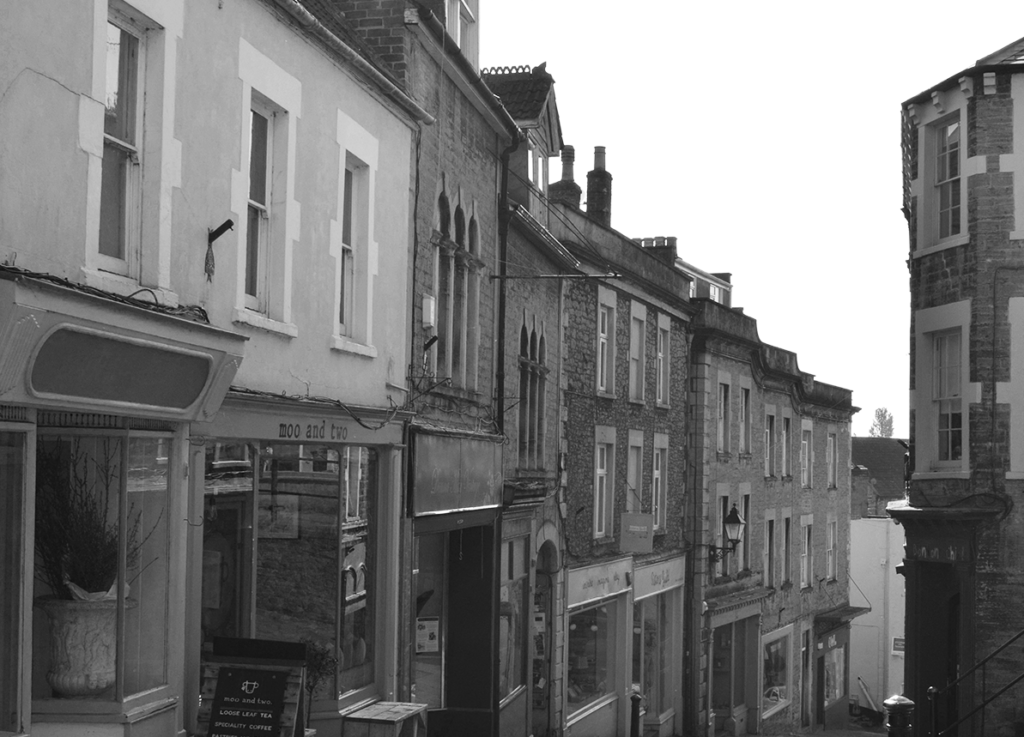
pixel 734 525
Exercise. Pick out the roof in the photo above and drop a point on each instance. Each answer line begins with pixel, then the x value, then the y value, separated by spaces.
pixel 885 460
pixel 523 91
pixel 333 19
pixel 1012 54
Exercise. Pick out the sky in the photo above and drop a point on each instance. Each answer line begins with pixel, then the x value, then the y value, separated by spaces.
pixel 765 136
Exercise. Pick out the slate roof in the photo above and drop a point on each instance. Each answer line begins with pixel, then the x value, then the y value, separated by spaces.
pixel 884 459
pixel 523 91
pixel 1012 54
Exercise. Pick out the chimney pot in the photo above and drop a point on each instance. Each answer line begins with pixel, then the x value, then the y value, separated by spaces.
pixel 599 191
pixel 568 157
pixel 566 190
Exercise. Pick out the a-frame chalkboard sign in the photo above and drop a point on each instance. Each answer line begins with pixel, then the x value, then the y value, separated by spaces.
pixel 252 688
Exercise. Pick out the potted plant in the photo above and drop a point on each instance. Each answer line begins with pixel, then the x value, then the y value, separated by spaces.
pixel 321 664
pixel 77 545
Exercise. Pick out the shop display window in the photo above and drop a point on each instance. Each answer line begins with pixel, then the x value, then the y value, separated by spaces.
pixel 101 565
pixel 315 561
pixel 776 676
pixel 591 653
pixel 835 675
pixel 652 653
pixel 513 608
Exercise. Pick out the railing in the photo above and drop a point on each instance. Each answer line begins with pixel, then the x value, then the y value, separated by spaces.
pixel 934 693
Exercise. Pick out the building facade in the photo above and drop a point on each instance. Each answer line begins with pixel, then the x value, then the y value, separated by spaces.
pixel 206 262
pixel 964 209
pixel 770 634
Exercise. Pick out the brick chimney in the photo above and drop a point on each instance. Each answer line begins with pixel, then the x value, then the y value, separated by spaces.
pixel 566 190
pixel 599 191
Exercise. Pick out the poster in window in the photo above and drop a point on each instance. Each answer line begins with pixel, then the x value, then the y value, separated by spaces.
pixel 427 635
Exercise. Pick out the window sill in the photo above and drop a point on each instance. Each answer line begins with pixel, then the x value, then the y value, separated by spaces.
pixel 636 400
pixel 345 345
pixel 256 320
pixel 126 287
pixel 959 240
pixel 776 708
pixel 939 474
pixel 662 405
pixel 605 395
pixel 724 456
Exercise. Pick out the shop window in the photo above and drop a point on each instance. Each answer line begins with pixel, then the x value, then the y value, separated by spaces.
pixel 835 675
pixel 776 678
pixel 101 519
pixel 652 652
pixel 12 480
pixel 592 667
pixel 315 557
pixel 512 617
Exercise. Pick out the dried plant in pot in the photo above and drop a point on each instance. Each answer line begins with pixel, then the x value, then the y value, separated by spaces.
pixel 77 545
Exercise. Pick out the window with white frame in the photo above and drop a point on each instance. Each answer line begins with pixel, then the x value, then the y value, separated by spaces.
pixel 604 480
pixel 947 177
pixel 352 238
pixel 263 194
pixel 664 335
pixel 769 445
pixel 777 674
pixel 634 471
pixel 659 481
pixel 605 341
pixel 262 123
pixel 784 447
pixel 121 188
pixel 832 452
pixel 831 544
pixel 946 391
pixel 637 350
pixel 805 458
pixel 715 292
pixel 723 418
pixel 805 553
pixel 769 553
pixel 461 26
pixel 744 420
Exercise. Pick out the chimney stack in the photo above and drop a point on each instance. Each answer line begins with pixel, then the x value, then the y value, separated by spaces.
pixel 599 191
pixel 567 190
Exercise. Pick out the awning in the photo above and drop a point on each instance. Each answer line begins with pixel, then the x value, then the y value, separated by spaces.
pixel 68 349
pixel 837 617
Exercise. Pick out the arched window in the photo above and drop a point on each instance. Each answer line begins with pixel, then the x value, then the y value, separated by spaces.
pixel 444 215
pixel 532 400
pixel 460 227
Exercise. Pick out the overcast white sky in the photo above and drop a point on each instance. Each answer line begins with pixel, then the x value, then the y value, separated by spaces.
pixel 766 138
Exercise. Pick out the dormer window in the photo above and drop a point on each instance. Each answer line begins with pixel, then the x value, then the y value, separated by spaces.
pixel 461 26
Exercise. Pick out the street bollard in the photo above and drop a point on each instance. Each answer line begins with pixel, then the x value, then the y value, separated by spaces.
pixel 634 716
pixel 899 716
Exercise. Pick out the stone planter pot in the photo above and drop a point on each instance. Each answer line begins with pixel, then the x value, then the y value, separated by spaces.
pixel 83 646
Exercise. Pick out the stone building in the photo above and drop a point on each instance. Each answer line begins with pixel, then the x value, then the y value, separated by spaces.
pixel 770 614
pixel 467 596
pixel 187 184
pixel 961 160
pixel 625 499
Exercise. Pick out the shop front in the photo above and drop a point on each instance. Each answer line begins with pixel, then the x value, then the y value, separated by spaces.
pixel 735 661
pixel 597 642
pixel 832 665
pixel 468 589
pixel 96 397
pixel 658 644
pixel 295 513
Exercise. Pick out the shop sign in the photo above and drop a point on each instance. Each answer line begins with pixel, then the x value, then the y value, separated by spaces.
pixel 455 473
pixel 637 533
pixel 899 645
pixel 654 579
pixel 232 422
pixel 598 582
pixel 944 552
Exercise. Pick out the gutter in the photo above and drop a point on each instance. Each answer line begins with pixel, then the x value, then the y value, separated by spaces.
pixel 423 16
pixel 309 22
